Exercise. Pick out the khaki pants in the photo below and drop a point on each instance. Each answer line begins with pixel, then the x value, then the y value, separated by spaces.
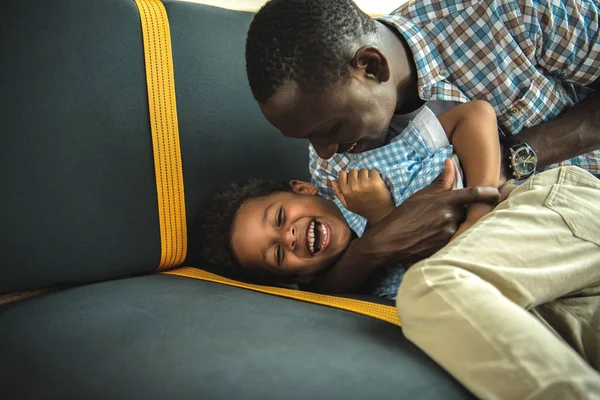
pixel 511 307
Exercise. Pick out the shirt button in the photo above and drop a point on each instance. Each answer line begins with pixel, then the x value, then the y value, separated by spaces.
pixel 513 110
pixel 443 71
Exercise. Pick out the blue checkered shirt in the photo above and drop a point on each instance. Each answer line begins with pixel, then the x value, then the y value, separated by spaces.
pixel 530 59
pixel 407 164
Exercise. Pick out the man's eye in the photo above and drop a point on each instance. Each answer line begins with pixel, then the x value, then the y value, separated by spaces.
pixel 334 130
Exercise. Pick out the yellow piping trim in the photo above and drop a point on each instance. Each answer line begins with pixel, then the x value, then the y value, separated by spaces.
pixel 165 132
pixel 379 311
pixel 169 175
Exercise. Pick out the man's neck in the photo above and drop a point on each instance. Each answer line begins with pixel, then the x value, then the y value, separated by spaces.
pixel 404 70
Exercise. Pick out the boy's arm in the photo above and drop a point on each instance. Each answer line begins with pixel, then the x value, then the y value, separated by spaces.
pixel 473 131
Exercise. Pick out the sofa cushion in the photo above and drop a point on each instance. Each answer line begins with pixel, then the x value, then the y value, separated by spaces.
pixel 169 337
pixel 79 202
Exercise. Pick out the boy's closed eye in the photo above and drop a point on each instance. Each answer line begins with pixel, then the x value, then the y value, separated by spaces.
pixel 279 221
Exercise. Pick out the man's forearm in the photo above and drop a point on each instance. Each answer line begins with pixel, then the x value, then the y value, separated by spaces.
pixel 574 132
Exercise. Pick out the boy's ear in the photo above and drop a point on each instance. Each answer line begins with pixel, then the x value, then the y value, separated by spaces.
pixel 301 187
pixel 370 63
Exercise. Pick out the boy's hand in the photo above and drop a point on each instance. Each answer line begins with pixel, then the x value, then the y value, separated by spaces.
pixel 364 193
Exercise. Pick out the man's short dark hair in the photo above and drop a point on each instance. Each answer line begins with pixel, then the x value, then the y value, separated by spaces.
pixel 219 218
pixel 306 41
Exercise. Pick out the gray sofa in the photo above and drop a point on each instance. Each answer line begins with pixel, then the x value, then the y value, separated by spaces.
pixel 78 214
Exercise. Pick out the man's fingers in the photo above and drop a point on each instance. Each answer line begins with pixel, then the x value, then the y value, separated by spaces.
pixel 448 175
pixel 475 194
pixel 445 180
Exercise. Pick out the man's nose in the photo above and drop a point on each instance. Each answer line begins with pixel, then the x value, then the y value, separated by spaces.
pixel 288 238
pixel 326 151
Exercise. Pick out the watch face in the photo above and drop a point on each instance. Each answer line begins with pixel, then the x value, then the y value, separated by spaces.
pixel 525 160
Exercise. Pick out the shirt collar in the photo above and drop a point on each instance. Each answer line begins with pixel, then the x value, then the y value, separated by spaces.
pixel 429 63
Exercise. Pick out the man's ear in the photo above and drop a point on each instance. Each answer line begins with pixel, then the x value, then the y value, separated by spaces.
pixel 301 187
pixel 370 63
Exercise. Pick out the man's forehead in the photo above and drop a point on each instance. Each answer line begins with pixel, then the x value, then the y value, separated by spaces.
pixel 295 112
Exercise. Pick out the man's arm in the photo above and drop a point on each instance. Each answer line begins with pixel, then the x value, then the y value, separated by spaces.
pixel 416 229
pixel 567 46
pixel 574 132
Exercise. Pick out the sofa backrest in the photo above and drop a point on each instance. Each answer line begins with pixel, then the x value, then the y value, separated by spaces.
pixel 79 200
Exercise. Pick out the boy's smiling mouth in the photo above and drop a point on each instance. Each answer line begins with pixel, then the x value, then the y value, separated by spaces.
pixel 318 237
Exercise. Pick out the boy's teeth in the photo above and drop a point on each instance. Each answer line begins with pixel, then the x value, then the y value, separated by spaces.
pixel 311 237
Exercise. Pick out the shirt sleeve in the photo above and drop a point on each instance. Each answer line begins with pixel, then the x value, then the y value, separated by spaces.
pixel 430 130
pixel 567 37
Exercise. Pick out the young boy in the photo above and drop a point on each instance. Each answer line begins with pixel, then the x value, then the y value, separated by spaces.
pixel 288 230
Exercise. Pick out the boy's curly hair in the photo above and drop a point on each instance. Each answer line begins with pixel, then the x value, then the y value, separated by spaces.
pixel 219 218
pixel 306 41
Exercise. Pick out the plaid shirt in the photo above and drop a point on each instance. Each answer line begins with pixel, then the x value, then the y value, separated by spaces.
pixel 530 59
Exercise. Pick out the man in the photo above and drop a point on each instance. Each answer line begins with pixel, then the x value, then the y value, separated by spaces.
pixel 325 71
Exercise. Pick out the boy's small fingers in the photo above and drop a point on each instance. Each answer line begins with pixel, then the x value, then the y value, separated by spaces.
pixel 374 174
pixel 352 175
pixel 363 173
pixel 342 182
pixel 342 179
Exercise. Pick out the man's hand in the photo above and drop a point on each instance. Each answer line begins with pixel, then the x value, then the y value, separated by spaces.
pixel 416 229
pixel 425 222
pixel 364 193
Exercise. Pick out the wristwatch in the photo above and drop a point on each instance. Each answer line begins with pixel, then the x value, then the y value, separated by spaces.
pixel 522 159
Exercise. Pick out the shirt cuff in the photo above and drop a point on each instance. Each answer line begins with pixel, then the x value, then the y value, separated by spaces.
pixel 431 130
